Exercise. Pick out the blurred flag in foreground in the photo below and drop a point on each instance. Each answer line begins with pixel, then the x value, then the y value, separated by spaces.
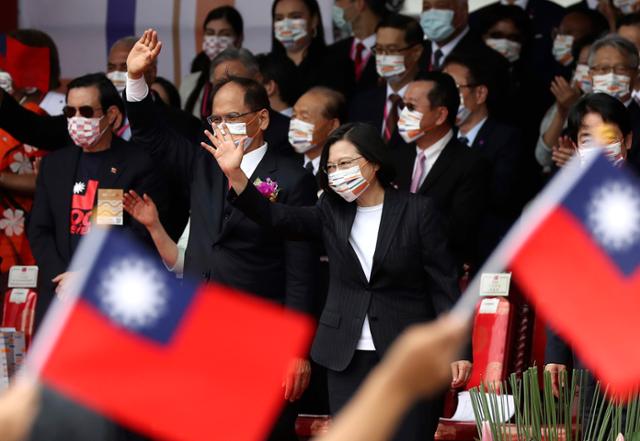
pixel 28 66
pixel 576 254
pixel 168 360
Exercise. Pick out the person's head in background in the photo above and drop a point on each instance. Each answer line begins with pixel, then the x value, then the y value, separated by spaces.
pixel 398 49
pixel 613 66
pixel 444 20
pixel 629 28
pixel 223 27
pixel 475 82
pixel 117 63
pixel 280 78
pixel 358 16
pixel 243 105
pixel 627 7
pixel 234 62
pixel 507 30
pixel 316 114
pixel 599 121
pixel 35 38
pixel 355 149
pixel 581 77
pixel 167 92
pixel 296 28
pixel 577 24
pixel 94 112
pixel 431 107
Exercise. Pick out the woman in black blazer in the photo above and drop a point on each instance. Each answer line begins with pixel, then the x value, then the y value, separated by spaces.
pixel 388 259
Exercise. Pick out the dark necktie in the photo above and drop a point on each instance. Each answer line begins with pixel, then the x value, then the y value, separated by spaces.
pixel 437 59
pixel 464 140
pixel 357 61
pixel 309 167
pixel 392 117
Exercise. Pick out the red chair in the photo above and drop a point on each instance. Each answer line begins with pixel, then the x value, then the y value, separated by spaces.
pixel 18 311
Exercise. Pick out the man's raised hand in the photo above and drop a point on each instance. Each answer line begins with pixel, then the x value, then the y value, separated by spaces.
pixel 143 54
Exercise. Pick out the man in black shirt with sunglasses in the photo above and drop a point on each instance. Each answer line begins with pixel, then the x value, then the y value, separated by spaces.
pixel 73 179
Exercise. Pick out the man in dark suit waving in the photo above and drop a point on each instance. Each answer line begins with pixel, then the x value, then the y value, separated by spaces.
pixel 436 164
pixel 224 245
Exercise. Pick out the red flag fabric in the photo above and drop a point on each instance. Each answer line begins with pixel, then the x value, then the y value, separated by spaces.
pixel 576 255
pixel 29 66
pixel 172 361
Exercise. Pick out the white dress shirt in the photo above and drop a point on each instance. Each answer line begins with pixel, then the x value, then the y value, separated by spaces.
pixel 368 43
pixel 315 163
pixel 362 238
pixel 471 134
pixel 387 104
pixel 431 153
pixel 447 48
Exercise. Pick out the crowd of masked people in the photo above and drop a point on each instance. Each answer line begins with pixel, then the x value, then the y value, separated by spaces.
pixel 359 182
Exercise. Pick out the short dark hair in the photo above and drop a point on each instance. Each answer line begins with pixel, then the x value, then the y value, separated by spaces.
pixel 108 93
pixel 336 103
pixel 378 7
pixel 443 94
pixel 172 92
pixel 629 20
pixel 255 95
pixel 499 12
pixel 413 33
pixel 598 23
pixel 610 109
pixel 481 73
pixel 36 38
pixel 283 72
pixel 369 143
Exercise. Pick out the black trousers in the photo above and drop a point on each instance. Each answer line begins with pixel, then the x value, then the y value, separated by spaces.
pixel 419 424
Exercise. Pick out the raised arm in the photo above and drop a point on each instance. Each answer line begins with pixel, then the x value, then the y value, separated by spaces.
pixel 293 222
pixel 148 128
pixel 42 131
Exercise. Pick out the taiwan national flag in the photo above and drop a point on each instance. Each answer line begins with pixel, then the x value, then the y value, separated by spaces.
pixel 168 359
pixel 28 66
pixel 576 255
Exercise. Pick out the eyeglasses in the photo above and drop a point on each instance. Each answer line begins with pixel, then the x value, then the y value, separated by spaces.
pixel 379 50
pixel 85 111
pixel 464 86
pixel 341 165
pixel 231 117
pixel 619 69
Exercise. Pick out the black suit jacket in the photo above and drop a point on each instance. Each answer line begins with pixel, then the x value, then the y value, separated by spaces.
pixel 413 278
pixel 368 107
pixel 224 245
pixel 633 155
pixel 49 222
pixel 501 146
pixel 458 184
pixel 50 133
pixel 277 134
pixel 339 70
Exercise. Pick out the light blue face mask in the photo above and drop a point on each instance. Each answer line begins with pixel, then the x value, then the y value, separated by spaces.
pixel 337 14
pixel 437 24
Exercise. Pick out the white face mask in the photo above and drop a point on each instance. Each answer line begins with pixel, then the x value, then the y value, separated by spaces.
pixel 390 67
pixel 290 31
pixel 240 129
pixel 409 125
pixel 349 183
pixel 212 45
pixel 6 82
pixel 612 84
pixel 85 132
pixel 613 152
pixel 118 78
pixel 582 78
pixel 301 135
pixel 337 15
pixel 505 47
pixel 626 6
pixel 562 45
pixel 463 112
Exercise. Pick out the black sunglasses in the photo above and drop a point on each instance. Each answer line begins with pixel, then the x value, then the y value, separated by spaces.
pixel 85 111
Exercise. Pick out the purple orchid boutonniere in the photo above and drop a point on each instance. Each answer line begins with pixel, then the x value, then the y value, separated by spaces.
pixel 268 188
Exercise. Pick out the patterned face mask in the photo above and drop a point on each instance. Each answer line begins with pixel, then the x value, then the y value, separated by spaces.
pixel 290 31
pixel 301 135
pixel 505 47
pixel 612 84
pixel 390 67
pixel 562 45
pixel 409 125
pixel 212 45
pixel 119 79
pixel 349 183
pixel 85 132
pixel 582 79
